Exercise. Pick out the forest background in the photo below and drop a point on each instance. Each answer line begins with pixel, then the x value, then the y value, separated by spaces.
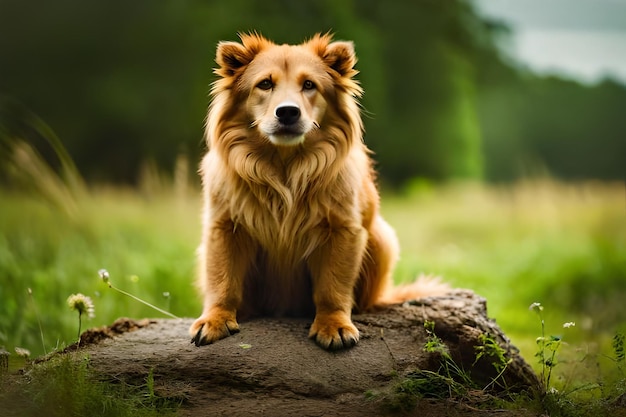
pixel 122 83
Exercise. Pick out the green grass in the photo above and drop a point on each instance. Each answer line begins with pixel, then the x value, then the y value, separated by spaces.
pixel 563 245
pixel 558 244
pixel 146 243
pixel 64 386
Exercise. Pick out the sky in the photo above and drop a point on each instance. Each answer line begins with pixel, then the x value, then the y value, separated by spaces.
pixel 581 39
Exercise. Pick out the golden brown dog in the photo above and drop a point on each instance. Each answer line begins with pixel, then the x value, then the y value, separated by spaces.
pixel 291 223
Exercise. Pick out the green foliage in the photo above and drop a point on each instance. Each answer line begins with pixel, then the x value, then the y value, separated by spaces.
pixel 64 386
pixel 455 384
pixel 618 349
pixel 562 243
pixel 422 384
pixel 585 398
pixel 489 348
pixel 126 84
pixel 449 368
pixel 450 382
pixel 147 243
pixel 536 124
pixel 548 346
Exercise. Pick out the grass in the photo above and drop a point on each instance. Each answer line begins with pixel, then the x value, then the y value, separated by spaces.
pixel 454 384
pixel 563 245
pixel 64 386
pixel 146 243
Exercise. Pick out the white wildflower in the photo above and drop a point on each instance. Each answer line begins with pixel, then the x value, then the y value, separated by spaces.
pixel 24 353
pixel 82 304
pixel 104 275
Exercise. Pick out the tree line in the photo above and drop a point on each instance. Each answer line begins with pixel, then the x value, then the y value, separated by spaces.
pixel 124 82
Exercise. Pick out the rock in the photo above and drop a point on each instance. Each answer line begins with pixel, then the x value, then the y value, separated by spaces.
pixel 272 368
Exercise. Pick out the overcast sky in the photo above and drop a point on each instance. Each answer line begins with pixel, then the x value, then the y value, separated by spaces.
pixel 583 39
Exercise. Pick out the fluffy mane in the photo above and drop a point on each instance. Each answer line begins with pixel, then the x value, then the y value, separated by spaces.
pixel 278 176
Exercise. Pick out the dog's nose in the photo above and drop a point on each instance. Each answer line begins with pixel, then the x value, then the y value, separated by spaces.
pixel 287 114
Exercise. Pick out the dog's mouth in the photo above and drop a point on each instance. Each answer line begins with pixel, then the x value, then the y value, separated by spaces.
pixel 286 136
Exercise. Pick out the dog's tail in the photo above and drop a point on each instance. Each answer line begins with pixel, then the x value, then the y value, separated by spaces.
pixel 423 286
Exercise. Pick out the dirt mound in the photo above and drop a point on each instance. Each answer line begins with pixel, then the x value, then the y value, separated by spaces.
pixel 272 368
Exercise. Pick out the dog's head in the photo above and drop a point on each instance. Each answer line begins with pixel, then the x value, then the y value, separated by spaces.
pixel 286 90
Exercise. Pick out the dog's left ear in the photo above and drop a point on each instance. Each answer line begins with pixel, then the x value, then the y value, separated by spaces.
pixel 340 56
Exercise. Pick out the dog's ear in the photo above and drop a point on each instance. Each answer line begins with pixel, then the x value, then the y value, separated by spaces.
pixel 232 56
pixel 340 56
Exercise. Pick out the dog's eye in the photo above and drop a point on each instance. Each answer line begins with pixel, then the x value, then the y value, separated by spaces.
pixel 308 85
pixel 266 84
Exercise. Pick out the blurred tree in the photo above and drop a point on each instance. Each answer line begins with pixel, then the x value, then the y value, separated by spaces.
pixel 538 125
pixel 425 117
pixel 122 83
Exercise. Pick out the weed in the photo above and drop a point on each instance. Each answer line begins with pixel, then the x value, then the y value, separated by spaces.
pixel 104 275
pixel 65 386
pixel 450 382
pixel 83 305
pixel 490 348
pixel 36 311
pixel 618 350
pixel 587 398
pixel 23 353
pixel 450 369
pixel 548 347
pixel 422 384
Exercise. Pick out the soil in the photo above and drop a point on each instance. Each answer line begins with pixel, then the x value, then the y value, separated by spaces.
pixel 271 367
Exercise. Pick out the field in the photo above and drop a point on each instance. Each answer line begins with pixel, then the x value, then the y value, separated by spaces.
pixel 562 245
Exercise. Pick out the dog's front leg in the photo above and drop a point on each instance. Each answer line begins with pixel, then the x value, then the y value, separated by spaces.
pixel 225 256
pixel 335 268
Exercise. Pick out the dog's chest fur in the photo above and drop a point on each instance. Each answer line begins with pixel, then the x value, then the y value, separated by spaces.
pixel 287 208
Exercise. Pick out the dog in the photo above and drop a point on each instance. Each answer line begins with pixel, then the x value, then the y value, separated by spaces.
pixel 291 223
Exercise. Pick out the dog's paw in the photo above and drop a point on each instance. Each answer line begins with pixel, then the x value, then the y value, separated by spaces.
pixel 334 331
pixel 212 327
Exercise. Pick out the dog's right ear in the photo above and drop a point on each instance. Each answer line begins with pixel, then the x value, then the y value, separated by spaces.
pixel 233 56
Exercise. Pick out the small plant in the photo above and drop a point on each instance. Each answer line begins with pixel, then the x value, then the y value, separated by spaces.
pixel 618 349
pixel 32 300
pixel 66 385
pixel 449 367
pixel 489 347
pixel 450 382
pixel 168 299
pixel 22 353
pixel 548 347
pixel 104 275
pixel 83 305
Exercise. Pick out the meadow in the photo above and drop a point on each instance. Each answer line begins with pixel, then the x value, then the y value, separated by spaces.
pixel 562 245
